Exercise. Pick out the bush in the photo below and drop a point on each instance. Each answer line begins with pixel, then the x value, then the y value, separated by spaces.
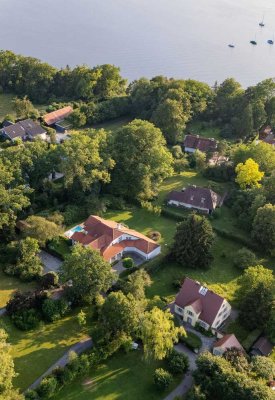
pixel 54 309
pixel 245 258
pixel 178 363
pixel 26 319
pixel 154 235
pixel 162 378
pixel 49 280
pixel 47 387
pixel 151 208
pixel 128 262
pixel 192 341
pixel 31 395
pixel 79 366
pixel 251 338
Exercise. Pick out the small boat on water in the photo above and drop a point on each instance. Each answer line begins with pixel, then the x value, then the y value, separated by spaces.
pixel 262 24
pixel 232 46
pixel 253 42
pixel 270 41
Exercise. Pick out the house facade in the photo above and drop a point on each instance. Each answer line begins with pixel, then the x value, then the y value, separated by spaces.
pixel 195 142
pixel 196 304
pixel 227 342
pixel 202 199
pixel 112 239
pixel 25 130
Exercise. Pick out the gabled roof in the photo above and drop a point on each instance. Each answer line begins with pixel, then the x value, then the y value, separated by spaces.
pixel 263 346
pixel 100 233
pixel 192 291
pixel 32 128
pixel 24 128
pixel 15 131
pixel 228 342
pixel 58 115
pixel 196 197
pixel 200 143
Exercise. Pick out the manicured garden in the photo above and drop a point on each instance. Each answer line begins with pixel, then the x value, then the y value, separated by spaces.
pixel 119 378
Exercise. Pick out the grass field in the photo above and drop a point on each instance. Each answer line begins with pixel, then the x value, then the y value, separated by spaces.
pixel 6 106
pixel 198 128
pixel 35 351
pixel 113 125
pixel 122 377
pixel 8 285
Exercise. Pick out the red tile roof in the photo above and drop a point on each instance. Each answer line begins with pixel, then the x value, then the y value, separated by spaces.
pixel 99 234
pixel 196 197
pixel 191 292
pixel 200 143
pixel 228 342
pixel 58 115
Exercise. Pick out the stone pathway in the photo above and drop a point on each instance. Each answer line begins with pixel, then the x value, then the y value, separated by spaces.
pixel 78 348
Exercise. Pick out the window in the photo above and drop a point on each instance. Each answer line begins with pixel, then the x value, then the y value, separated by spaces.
pixel 218 323
pixel 190 313
pixel 180 310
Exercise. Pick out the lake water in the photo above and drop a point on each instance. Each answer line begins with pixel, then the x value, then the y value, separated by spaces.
pixel 176 38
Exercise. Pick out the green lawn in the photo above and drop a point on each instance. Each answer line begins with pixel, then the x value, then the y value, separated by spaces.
pixel 6 106
pixel 198 128
pixel 8 285
pixel 144 222
pixel 122 377
pixel 113 125
pixel 220 277
pixel 35 351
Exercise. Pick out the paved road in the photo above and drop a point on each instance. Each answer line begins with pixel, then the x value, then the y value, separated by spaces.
pixel 2 311
pixel 78 348
pixel 50 262
pixel 187 380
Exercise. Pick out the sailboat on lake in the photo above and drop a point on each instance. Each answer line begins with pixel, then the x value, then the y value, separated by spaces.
pixel 262 24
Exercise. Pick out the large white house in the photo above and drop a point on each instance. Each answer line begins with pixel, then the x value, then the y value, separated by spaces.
pixel 112 239
pixel 196 304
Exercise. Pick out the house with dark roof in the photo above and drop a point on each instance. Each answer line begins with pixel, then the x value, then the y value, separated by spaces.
pixel 227 342
pixel 202 199
pixel 25 130
pixel 112 239
pixel 195 142
pixel 196 304
pixel 262 347
pixel 57 116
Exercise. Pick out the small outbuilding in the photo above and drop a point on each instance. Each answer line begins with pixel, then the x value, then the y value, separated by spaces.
pixel 262 347
pixel 195 142
pixel 227 342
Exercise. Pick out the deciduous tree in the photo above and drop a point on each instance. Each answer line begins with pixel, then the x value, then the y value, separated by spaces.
pixel 248 174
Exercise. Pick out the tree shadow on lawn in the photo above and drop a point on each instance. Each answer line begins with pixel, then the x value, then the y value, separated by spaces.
pixel 35 351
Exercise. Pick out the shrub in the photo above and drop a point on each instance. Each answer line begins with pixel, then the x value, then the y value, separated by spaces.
pixel 178 363
pixel 192 341
pixel 79 366
pixel 26 319
pixel 54 309
pixel 162 378
pixel 31 395
pixel 47 387
pixel 128 262
pixel 245 258
pixel 151 208
pixel 49 280
pixel 154 235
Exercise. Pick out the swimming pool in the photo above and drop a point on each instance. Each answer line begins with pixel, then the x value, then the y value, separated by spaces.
pixel 77 228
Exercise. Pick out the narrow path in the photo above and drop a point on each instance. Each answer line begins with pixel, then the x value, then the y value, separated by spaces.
pixel 2 311
pixel 78 348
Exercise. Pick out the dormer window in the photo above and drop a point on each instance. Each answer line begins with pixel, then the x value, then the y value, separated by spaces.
pixel 202 200
pixel 192 198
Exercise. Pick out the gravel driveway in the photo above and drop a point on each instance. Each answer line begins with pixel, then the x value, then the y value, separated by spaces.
pixel 50 262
